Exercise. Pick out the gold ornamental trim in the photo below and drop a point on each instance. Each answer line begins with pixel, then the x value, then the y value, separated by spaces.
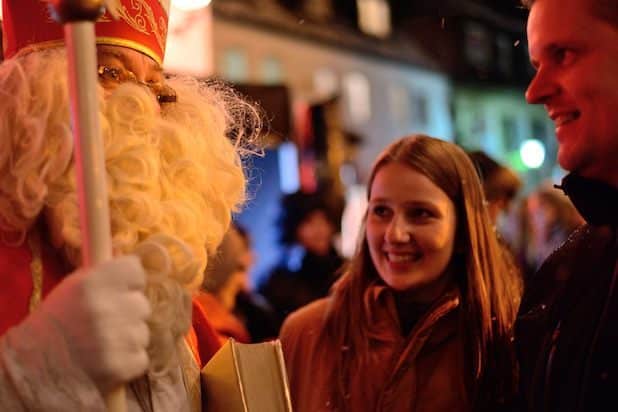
pixel 115 41
pixel 36 270
pixel 144 20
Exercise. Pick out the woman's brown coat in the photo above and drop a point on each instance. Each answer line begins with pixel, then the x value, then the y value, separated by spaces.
pixel 423 372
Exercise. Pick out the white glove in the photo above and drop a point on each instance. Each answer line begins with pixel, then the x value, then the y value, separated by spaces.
pixel 91 327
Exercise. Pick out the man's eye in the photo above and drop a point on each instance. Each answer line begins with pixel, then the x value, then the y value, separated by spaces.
pixel 564 56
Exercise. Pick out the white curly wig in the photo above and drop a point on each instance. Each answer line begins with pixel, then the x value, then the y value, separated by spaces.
pixel 174 176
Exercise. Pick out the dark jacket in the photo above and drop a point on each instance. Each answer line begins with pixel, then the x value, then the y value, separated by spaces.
pixel 299 279
pixel 258 316
pixel 567 328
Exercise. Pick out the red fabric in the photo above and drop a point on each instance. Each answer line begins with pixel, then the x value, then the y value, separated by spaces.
pixel 16 289
pixel 225 324
pixel 142 26
pixel 191 339
pixel 16 281
pixel 207 341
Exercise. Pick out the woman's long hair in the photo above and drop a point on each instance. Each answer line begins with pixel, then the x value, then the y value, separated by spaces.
pixel 490 286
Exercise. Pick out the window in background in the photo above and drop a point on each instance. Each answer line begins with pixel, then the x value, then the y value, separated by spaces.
pixel 510 134
pixel 270 70
pixel 477 47
pixel 479 124
pixel 420 109
pixel 235 65
pixel 399 104
pixel 325 83
pixel 358 97
pixel 320 10
pixel 374 17
pixel 504 46
pixel 539 129
pixel 543 130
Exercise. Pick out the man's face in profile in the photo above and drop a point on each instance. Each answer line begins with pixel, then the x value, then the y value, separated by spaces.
pixel 575 54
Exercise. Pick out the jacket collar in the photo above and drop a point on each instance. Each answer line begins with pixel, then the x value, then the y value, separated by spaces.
pixel 596 201
pixel 383 321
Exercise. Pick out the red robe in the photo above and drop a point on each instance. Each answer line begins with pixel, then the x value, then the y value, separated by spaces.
pixel 225 324
pixel 202 338
pixel 16 288
pixel 16 280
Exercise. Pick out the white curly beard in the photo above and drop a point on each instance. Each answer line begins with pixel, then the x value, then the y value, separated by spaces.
pixel 173 180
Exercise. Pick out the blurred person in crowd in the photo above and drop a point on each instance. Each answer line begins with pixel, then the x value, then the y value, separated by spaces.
pixel 310 263
pixel 566 331
pixel 500 184
pixel 550 219
pixel 251 307
pixel 68 335
pixel 225 277
pixel 422 318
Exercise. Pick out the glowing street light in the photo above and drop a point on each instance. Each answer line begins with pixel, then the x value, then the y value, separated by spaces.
pixel 532 153
pixel 190 5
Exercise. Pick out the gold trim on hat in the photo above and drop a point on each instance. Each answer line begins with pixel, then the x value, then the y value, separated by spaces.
pixel 115 41
pixel 111 41
pixel 143 15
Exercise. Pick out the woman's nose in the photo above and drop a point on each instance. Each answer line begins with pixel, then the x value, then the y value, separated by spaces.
pixel 398 230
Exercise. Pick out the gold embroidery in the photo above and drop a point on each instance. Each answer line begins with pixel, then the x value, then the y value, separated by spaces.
pixel 36 270
pixel 143 20
pixel 114 41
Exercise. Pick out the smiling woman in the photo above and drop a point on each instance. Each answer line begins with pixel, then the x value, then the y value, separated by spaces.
pixel 427 304
pixel 410 232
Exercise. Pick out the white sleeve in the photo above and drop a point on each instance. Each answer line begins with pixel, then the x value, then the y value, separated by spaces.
pixel 37 372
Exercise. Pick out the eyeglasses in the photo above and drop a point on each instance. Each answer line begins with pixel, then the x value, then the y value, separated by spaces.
pixel 112 77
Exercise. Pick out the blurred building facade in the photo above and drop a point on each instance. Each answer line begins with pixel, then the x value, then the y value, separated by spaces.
pixel 482 45
pixel 386 87
pixel 379 69
pixel 453 69
pixel 355 85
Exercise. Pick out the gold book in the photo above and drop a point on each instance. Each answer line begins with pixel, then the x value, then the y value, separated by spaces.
pixel 246 378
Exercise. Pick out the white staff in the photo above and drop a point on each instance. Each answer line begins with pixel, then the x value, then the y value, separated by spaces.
pixel 78 17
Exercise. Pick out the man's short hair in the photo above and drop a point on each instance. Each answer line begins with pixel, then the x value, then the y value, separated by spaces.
pixel 606 10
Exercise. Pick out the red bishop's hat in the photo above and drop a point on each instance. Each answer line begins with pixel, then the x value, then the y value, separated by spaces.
pixel 141 25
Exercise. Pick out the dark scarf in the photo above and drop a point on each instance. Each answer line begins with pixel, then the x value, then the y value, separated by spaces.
pixel 596 201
